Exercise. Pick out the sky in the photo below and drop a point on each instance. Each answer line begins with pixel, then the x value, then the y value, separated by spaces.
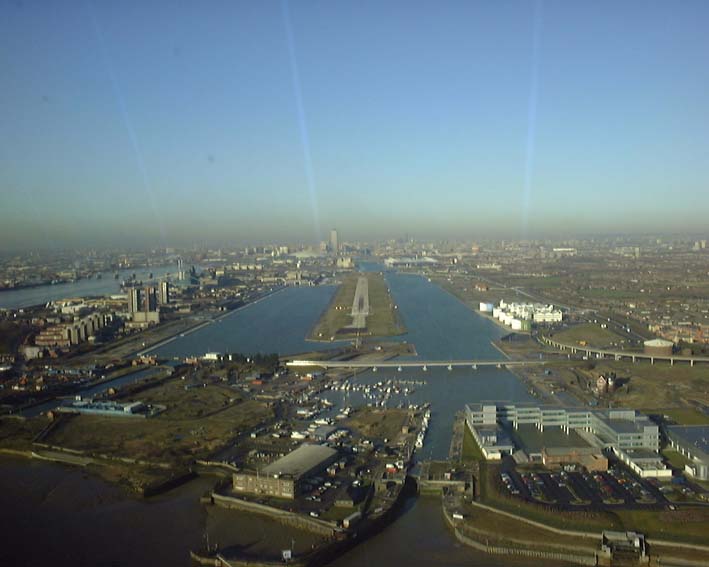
pixel 166 123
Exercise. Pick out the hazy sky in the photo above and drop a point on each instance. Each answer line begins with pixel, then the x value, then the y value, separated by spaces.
pixel 164 122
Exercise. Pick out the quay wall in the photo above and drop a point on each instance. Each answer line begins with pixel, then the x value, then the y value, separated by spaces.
pixel 169 484
pixel 217 467
pixel 220 561
pixel 290 518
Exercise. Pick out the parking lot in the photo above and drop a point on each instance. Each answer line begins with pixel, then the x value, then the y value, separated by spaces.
pixel 573 489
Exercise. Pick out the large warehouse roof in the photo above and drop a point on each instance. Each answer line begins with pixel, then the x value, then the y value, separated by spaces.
pixel 695 435
pixel 301 461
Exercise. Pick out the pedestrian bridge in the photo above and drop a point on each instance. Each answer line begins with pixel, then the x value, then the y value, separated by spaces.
pixel 422 364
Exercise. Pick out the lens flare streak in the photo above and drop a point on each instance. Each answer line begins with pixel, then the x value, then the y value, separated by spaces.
pixel 302 123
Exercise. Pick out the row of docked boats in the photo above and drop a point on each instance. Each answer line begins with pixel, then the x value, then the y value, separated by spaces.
pixel 424 429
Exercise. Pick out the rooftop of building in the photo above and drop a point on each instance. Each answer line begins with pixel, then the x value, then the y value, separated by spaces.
pixel 694 435
pixel 658 343
pixel 300 461
pixel 623 425
pixel 639 456
pixel 613 415
pixel 502 438
pixel 559 451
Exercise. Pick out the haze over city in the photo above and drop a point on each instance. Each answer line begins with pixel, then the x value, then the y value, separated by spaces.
pixel 157 123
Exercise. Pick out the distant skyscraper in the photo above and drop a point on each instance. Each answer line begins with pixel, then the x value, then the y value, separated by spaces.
pixel 164 293
pixel 151 299
pixel 334 245
pixel 143 305
pixel 180 269
pixel 134 300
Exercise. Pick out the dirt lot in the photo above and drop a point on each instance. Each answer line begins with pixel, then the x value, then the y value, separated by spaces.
pixel 378 423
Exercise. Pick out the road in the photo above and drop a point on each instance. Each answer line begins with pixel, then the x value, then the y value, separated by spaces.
pixel 619 354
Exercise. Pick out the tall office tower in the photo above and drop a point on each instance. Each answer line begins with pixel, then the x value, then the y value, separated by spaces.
pixel 334 245
pixel 164 293
pixel 151 299
pixel 180 269
pixel 134 297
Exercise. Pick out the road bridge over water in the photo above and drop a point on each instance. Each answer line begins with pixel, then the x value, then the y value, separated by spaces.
pixel 621 354
pixel 422 364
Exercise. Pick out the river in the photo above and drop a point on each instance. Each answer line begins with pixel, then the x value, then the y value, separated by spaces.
pixel 278 323
pixel 106 285
pixel 100 527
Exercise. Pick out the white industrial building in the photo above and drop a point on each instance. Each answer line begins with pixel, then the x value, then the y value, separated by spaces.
pixel 486 307
pixel 520 316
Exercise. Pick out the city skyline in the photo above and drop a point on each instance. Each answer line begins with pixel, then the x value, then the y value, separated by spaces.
pixel 278 121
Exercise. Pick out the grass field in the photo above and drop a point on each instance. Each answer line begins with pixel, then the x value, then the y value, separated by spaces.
pixel 19 433
pixel 523 346
pixel 675 459
pixel 504 530
pixel 471 451
pixel 682 416
pixel 464 289
pixel 689 524
pixel 591 333
pixel 383 320
pixel 337 314
pixel 660 386
pixel 674 526
pixel 196 423
pixel 540 283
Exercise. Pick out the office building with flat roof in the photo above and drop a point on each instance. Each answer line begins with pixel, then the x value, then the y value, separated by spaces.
pixel 632 436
